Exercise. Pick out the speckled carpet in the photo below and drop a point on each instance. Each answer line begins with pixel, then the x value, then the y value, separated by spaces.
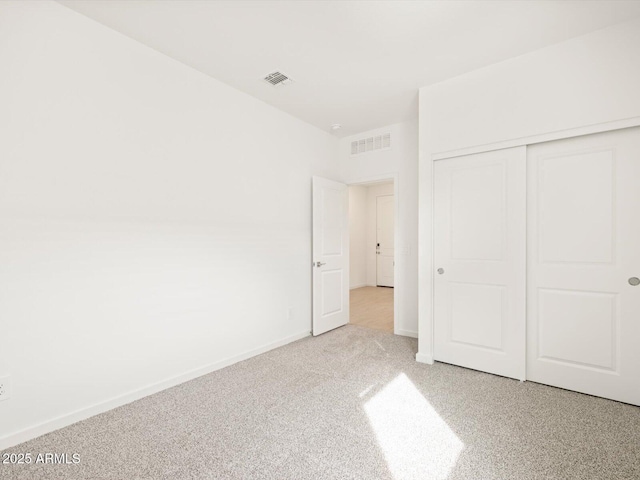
pixel 350 404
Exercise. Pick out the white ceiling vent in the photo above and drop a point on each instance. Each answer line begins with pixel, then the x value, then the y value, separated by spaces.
pixel 370 144
pixel 277 79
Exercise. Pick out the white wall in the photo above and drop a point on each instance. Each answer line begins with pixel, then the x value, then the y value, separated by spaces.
pixel 588 80
pixel 580 86
pixel 357 236
pixel 154 222
pixel 400 160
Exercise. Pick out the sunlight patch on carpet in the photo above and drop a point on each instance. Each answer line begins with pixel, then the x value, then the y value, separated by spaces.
pixel 417 443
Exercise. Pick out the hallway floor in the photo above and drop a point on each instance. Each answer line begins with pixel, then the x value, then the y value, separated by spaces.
pixel 372 307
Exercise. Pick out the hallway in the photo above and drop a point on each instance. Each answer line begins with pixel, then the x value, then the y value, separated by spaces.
pixel 372 307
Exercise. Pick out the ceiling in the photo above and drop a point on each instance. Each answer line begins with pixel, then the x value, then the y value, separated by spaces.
pixel 357 63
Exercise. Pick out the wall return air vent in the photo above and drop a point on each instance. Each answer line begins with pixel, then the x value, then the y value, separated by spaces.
pixel 369 144
pixel 277 79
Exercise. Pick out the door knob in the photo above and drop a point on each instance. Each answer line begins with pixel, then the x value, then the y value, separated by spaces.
pixel 440 271
pixel 319 264
pixel 634 281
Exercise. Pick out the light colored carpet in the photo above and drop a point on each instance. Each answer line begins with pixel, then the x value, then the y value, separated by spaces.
pixel 350 404
pixel 372 307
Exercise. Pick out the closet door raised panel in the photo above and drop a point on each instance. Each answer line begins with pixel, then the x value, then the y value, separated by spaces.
pixel 584 232
pixel 479 224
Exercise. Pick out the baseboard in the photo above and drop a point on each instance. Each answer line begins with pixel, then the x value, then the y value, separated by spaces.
pixel 84 413
pixel 360 285
pixel 422 358
pixel 406 333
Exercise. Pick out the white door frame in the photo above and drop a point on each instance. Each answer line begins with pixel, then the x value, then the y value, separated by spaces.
pixel 394 177
pixel 426 254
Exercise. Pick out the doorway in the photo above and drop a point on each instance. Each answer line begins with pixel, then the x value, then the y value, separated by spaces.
pixel 372 240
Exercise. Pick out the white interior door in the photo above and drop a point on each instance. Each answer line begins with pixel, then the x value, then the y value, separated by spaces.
pixel 385 233
pixel 584 253
pixel 480 257
pixel 330 255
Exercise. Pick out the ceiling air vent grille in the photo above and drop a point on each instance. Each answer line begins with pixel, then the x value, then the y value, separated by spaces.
pixel 369 144
pixel 277 79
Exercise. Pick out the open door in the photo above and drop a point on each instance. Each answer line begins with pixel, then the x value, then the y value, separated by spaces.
pixel 330 255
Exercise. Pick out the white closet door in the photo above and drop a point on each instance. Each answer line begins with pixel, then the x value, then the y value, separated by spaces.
pixel 480 257
pixel 583 328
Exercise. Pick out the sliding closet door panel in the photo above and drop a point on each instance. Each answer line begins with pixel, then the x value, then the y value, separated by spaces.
pixel 480 208
pixel 584 251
